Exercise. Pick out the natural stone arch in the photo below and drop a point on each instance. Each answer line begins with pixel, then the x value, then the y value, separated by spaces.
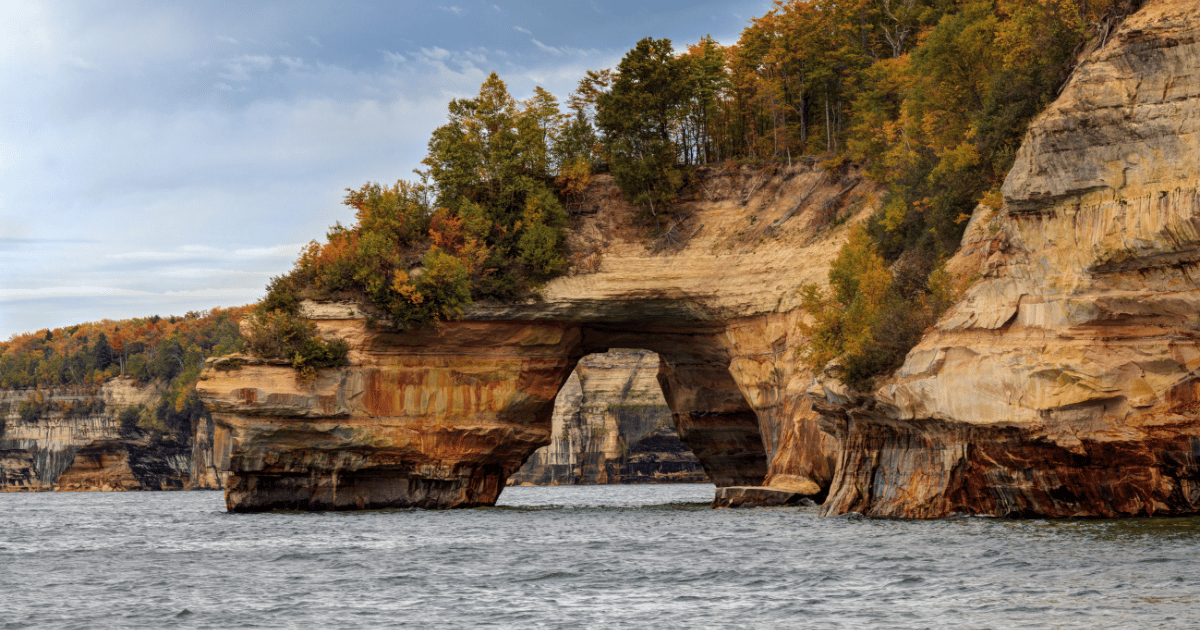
pixel 441 417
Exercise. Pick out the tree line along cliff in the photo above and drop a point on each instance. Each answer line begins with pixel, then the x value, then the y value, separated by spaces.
pixel 1062 383
pixel 930 98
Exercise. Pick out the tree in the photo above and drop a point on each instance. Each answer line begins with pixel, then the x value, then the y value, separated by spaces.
pixel 706 67
pixel 539 125
pixel 638 117
pixel 103 352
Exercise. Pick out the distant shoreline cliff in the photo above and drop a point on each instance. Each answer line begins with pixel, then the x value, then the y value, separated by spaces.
pixel 78 443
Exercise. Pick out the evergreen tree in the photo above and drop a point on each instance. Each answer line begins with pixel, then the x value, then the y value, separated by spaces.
pixel 638 116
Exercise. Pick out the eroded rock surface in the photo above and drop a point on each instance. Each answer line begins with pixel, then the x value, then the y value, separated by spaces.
pixel 759 496
pixel 443 418
pixel 1065 383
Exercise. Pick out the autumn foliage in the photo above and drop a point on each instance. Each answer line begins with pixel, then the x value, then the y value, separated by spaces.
pixel 169 352
pixel 929 97
pixel 484 222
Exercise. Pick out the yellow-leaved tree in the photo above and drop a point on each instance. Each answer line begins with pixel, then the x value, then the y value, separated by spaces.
pixel 869 319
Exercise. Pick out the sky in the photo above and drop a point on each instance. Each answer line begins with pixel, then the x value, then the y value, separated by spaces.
pixel 160 158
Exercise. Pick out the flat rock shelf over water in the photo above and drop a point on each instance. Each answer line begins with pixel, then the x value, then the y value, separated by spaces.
pixel 578 557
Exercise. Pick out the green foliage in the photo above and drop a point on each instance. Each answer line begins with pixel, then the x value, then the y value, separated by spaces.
pixel 30 410
pixel 494 227
pixel 145 349
pixel 871 317
pixel 638 117
pixel 66 367
pixel 281 335
pixel 130 419
pixel 283 294
pixel 176 413
pixel 940 127
pixel 540 248
pixel 929 97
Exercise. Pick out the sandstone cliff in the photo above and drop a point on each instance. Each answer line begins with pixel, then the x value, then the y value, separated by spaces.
pixel 612 425
pixel 442 418
pixel 87 450
pixel 1065 383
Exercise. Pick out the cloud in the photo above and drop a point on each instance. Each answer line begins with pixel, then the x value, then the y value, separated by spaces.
pixel 394 58
pixel 240 68
pixel 279 251
pixel 183 253
pixel 58 292
pixel 435 53
pixel 213 272
pixel 9 243
pixel 549 49
pixel 148 163
pixel 245 295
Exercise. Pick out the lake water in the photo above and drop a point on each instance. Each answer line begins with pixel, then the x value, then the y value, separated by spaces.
pixel 578 557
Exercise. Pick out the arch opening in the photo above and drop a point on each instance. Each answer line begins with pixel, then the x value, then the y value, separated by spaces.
pixel 612 425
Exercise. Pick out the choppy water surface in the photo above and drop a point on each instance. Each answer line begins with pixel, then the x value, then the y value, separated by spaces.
pixel 569 557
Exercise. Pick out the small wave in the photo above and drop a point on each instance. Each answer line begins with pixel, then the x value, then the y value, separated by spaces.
pixel 184 613
pixel 551 575
pixel 399 579
pixel 288 557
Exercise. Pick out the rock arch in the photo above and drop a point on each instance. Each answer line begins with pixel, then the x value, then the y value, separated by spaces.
pixel 440 418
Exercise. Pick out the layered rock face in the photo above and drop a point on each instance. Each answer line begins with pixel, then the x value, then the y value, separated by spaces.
pixel 1065 383
pixel 88 451
pixel 442 418
pixel 428 419
pixel 612 425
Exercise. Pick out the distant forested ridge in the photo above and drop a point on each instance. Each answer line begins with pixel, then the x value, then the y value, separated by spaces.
pixel 168 352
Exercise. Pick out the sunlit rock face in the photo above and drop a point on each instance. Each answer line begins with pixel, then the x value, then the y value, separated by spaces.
pixel 443 418
pixel 611 424
pixel 87 450
pixel 1065 382
pixel 436 419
